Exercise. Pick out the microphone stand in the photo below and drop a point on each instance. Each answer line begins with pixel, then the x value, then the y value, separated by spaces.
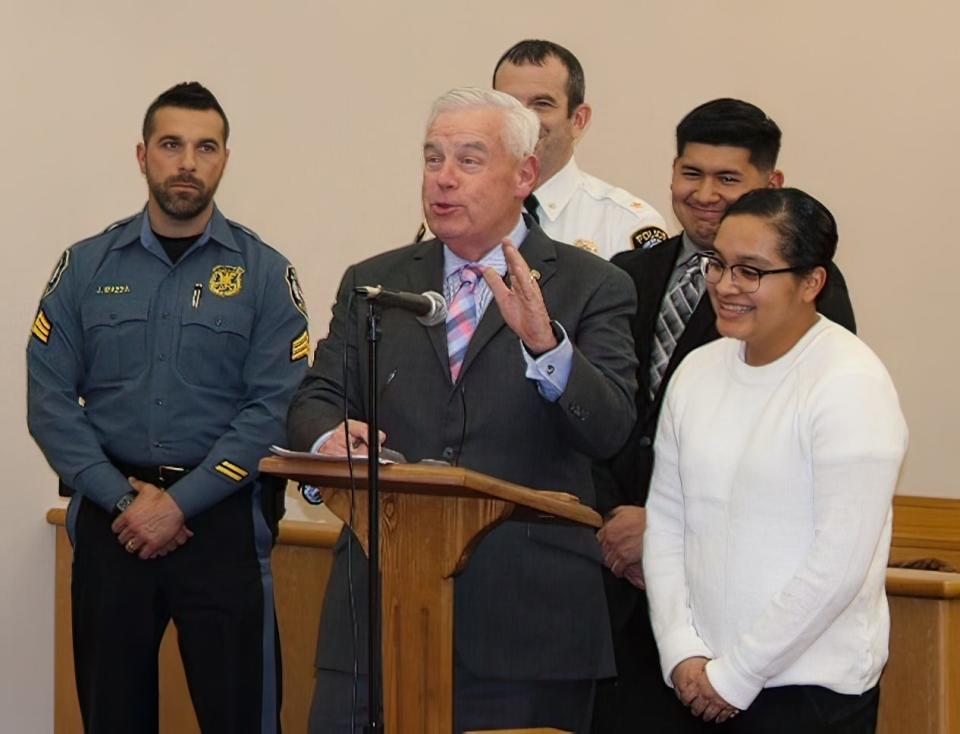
pixel 374 667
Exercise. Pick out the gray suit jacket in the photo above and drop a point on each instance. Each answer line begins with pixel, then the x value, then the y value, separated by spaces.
pixel 530 604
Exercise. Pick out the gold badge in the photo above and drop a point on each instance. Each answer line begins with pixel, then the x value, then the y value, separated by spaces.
pixel 226 280
pixel 588 245
pixel 300 347
pixel 42 327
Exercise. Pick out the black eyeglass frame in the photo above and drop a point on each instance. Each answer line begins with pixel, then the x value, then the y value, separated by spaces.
pixel 706 258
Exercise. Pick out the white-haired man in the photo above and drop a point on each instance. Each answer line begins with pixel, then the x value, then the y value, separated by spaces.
pixel 530 389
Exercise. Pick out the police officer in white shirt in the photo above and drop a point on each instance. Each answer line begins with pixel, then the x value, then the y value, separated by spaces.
pixel 571 206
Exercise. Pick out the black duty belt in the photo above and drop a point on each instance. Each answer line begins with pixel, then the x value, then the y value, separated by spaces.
pixel 160 475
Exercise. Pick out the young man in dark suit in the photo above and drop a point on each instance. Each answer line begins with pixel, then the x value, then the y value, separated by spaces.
pixel 530 380
pixel 725 148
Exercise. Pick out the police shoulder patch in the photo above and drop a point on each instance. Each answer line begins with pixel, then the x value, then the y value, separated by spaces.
pixel 231 471
pixel 647 237
pixel 300 347
pixel 296 295
pixel 42 328
pixel 226 280
pixel 58 270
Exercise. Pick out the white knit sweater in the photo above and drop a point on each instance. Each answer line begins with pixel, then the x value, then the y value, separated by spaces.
pixel 768 522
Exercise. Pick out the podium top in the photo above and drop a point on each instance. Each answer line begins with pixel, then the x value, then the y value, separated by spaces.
pixel 433 479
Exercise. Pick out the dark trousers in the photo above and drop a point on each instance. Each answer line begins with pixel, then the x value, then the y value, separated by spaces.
pixel 479 703
pixel 218 590
pixel 805 710
pixel 637 701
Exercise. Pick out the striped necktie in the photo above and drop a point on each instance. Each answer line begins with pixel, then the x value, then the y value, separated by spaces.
pixel 675 312
pixel 462 318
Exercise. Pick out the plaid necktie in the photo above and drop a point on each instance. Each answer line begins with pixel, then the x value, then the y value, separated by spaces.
pixel 462 318
pixel 675 312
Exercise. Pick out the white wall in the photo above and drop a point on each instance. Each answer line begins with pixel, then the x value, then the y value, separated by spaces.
pixel 327 102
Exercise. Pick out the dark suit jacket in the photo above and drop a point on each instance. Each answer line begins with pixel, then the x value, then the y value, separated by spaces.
pixel 530 604
pixel 626 479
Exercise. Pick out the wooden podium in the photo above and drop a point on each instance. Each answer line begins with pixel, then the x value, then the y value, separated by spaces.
pixel 431 518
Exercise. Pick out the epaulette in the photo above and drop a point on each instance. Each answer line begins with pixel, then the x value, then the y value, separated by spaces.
pixel 246 230
pixel 120 223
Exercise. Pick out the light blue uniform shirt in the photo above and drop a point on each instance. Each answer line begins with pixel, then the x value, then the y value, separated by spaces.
pixel 147 362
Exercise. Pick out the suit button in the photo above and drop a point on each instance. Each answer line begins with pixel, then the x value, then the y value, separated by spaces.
pixel 644 442
pixel 448 453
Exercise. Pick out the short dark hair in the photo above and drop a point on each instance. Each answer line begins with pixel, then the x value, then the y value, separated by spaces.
pixel 533 51
pixel 187 95
pixel 807 229
pixel 736 123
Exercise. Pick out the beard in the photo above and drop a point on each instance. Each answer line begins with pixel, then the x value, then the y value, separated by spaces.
pixel 184 204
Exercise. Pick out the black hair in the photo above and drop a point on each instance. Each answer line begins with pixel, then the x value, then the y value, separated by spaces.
pixel 187 95
pixel 736 123
pixel 533 51
pixel 807 229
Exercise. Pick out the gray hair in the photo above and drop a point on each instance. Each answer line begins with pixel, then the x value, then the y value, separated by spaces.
pixel 521 127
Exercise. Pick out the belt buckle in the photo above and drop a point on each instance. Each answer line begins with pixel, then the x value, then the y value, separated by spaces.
pixel 167 473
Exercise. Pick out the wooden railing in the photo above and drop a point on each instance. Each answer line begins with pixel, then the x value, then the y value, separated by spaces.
pixel 920 687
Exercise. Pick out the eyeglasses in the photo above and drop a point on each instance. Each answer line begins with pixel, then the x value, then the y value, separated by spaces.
pixel 746 277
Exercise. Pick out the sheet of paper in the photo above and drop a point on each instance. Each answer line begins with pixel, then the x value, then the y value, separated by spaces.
pixel 387 456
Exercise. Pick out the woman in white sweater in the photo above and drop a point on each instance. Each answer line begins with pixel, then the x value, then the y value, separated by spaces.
pixel 768 522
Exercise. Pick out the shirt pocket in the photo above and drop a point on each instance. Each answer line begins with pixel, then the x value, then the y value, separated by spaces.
pixel 115 339
pixel 213 345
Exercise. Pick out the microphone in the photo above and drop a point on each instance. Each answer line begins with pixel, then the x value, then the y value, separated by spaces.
pixel 430 307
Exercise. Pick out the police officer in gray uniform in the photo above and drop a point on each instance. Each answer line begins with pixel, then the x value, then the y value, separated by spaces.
pixel 161 361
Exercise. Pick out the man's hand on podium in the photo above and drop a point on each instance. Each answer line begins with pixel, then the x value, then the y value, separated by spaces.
pixel 336 443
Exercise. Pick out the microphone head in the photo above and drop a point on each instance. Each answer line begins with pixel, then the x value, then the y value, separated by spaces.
pixel 438 309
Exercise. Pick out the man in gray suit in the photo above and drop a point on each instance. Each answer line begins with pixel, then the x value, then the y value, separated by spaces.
pixel 529 389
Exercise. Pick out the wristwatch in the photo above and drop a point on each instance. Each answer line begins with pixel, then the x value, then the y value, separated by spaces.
pixel 124 502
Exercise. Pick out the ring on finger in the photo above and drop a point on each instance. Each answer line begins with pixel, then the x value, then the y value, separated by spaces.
pixel 130 546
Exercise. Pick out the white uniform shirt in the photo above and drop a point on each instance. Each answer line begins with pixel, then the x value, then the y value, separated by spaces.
pixel 584 211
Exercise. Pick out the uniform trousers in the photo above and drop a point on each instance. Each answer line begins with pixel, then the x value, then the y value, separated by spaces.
pixel 217 589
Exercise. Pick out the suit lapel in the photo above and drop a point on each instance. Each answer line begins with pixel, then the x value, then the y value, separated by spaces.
pixel 426 274
pixel 654 275
pixel 700 329
pixel 540 254
pixel 650 270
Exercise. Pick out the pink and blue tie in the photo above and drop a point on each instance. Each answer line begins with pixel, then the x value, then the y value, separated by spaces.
pixel 462 318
